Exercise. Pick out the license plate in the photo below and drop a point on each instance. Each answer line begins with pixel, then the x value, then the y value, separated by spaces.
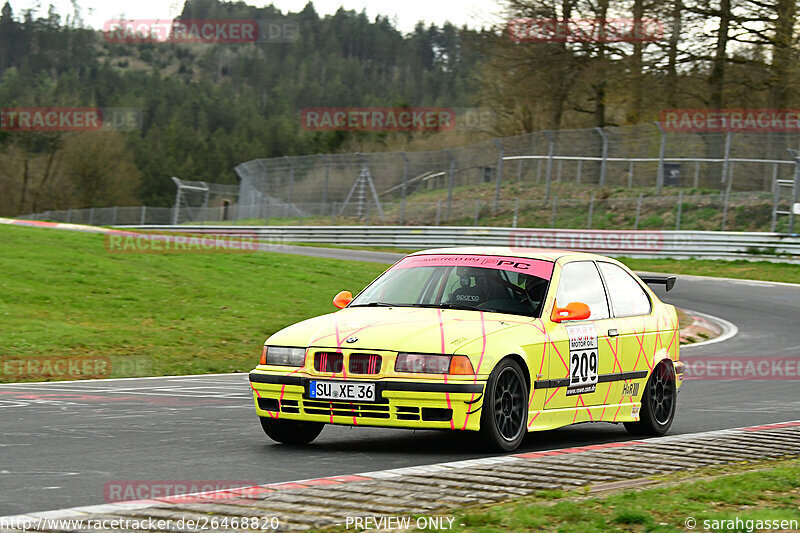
pixel 340 390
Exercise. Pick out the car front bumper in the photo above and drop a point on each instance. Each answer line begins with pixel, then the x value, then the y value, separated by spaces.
pixel 402 404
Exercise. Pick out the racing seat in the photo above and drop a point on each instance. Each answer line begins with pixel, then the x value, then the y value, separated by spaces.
pixel 476 287
pixel 473 290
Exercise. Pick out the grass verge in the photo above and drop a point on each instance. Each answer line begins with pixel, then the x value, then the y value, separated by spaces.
pixel 62 294
pixel 713 498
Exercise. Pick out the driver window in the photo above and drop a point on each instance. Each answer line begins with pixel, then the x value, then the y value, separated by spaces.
pixel 580 282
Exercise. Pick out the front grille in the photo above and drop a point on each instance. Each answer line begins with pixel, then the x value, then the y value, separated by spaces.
pixel 365 363
pixel 358 410
pixel 328 362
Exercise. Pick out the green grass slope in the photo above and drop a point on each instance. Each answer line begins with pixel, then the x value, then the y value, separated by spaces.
pixel 63 295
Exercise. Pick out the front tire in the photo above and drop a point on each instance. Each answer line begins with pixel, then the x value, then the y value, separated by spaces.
pixel 658 403
pixel 291 431
pixel 505 407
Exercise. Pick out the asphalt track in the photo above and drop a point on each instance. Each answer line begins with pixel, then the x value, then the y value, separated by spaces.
pixel 61 443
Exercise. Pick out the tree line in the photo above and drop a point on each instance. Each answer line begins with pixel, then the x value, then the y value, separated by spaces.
pixel 205 107
pixel 710 54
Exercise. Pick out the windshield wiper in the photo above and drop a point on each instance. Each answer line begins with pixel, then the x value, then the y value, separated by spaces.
pixel 374 304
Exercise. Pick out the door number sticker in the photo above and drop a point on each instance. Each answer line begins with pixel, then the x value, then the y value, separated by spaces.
pixel 583 360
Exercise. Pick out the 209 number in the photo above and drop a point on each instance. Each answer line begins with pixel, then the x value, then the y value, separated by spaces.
pixel 583 368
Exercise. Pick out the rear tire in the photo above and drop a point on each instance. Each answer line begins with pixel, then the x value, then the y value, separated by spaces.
pixel 659 401
pixel 291 431
pixel 504 414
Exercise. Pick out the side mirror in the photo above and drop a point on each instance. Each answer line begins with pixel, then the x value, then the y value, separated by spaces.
pixel 573 311
pixel 342 299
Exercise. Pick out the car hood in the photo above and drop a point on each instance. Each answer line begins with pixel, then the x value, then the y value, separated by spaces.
pixel 399 329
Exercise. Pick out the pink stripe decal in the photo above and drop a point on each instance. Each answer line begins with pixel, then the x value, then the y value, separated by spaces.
pixel 534 267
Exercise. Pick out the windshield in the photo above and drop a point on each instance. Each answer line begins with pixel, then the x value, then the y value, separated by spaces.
pixel 445 282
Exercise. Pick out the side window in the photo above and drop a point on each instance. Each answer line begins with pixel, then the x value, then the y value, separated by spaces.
pixel 627 297
pixel 580 282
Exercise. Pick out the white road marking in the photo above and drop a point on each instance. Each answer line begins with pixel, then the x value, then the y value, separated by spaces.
pixel 729 330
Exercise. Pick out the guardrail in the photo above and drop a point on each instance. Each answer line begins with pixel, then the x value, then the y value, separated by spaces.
pixel 775 247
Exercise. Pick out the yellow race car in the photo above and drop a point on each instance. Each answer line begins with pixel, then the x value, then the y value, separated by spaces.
pixel 496 340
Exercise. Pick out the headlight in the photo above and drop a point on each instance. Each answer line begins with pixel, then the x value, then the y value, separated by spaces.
pixel 420 363
pixel 283 356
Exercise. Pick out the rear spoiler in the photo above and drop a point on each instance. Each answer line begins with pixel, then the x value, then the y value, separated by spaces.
pixel 652 279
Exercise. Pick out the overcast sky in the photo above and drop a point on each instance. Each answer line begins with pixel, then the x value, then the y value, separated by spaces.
pixel 406 13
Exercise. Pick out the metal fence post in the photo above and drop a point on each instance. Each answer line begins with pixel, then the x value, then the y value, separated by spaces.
pixel 91 216
pixel 795 191
pixel 775 199
pixel 604 161
pixel 696 182
pixel 403 189
pixel 551 146
pixel 176 209
pixel 499 174
pixel 661 152
pixel 450 178
pixel 291 179
pixel 519 170
pixel 477 211
pixel 591 212
pixel 69 215
pixel 555 211
pixel 630 174
pixel 725 160
pixel 724 211
pixel 516 212
pixel 333 214
pixel 558 172
pixel 727 180
pixel 580 170
pixel 325 184
pixel 638 211
pixel 438 211
pixel 114 216
pixel 143 215
pixel 680 210
pixel 538 171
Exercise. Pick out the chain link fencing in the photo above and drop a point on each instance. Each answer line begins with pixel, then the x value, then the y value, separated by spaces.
pixel 626 177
